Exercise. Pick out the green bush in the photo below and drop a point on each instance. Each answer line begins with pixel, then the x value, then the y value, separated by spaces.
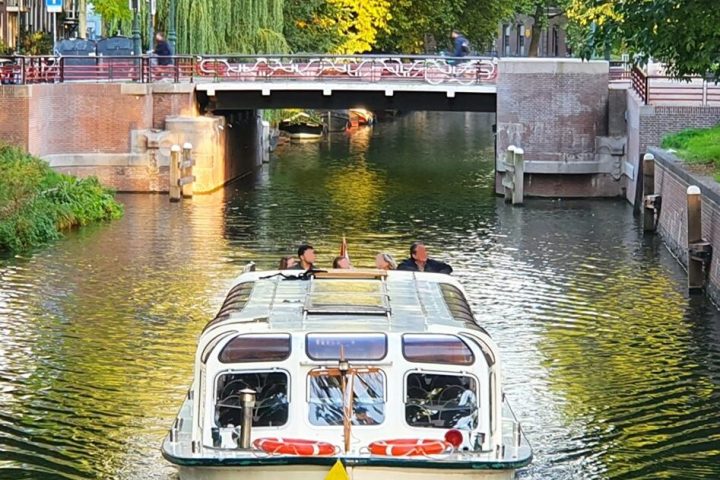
pixel 37 203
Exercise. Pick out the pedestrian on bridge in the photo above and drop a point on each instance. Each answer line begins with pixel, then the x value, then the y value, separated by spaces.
pixel 162 50
pixel 461 46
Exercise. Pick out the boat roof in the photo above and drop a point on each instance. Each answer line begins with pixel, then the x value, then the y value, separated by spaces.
pixel 347 300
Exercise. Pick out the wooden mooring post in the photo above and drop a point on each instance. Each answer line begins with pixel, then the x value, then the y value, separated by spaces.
pixel 514 177
pixel 651 202
pixel 181 177
pixel 174 190
pixel 699 250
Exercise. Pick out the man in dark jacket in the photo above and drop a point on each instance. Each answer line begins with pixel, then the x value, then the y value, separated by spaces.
pixel 162 50
pixel 419 261
pixel 461 45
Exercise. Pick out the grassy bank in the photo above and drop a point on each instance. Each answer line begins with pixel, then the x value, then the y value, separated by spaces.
pixel 699 146
pixel 37 203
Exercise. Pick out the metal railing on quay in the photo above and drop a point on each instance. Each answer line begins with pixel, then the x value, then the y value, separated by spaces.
pixel 639 83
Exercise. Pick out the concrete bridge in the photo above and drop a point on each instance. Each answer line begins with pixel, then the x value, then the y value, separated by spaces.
pixel 116 118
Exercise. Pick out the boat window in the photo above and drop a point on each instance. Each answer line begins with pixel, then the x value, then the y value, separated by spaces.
pixel 438 400
pixel 235 301
pixel 256 348
pixel 212 344
pixel 326 399
pixel 271 398
pixel 436 348
pixel 350 346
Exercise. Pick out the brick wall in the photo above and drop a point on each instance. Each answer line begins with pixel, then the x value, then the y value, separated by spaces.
pixel 14 113
pixel 647 124
pixel 85 118
pixel 166 104
pixel 671 181
pixel 554 109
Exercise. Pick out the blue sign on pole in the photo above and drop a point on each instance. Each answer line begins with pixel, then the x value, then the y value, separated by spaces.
pixel 54 6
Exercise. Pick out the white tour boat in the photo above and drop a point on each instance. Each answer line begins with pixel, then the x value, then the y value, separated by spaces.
pixel 377 375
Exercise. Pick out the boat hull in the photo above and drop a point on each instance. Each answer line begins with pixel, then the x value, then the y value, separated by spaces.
pixel 319 472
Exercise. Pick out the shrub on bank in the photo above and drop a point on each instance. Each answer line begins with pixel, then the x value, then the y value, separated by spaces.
pixel 697 146
pixel 37 203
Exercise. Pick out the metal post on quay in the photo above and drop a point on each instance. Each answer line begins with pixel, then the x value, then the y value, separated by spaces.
pixel 137 47
pixel 172 35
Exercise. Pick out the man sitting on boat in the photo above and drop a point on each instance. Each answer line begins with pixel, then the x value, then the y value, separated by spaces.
pixel 306 257
pixel 419 261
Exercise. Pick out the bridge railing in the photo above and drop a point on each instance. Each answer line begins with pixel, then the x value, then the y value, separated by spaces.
pixel 351 68
pixel 249 68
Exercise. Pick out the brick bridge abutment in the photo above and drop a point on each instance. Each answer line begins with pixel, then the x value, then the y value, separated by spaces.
pixel 122 133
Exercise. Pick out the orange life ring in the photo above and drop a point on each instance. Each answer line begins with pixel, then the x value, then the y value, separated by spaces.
pixel 294 446
pixel 408 447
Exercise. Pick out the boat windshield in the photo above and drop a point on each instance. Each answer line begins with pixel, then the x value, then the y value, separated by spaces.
pixel 271 398
pixel 326 399
pixel 348 346
pixel 435 400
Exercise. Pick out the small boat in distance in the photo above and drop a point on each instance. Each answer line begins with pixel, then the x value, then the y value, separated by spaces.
pixel 302 126
pixel 374 374
pixel 361 117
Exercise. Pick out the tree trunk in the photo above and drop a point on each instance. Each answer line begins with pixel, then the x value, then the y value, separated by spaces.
pixel 536 29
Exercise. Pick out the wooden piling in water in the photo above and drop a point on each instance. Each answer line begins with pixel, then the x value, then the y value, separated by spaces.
pixel 651 202
pixel 174 189
pixel 518 177
pixel 699 250
pixel 186 175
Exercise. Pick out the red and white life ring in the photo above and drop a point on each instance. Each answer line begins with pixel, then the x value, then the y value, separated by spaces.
pixel 294 446
pixel 408 447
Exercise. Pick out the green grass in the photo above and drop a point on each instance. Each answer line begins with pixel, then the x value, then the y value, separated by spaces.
pixel 37 203
pixel 697 146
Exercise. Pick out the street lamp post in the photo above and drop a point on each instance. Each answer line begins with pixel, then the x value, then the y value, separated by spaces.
pixel 135 7
pixel 172 36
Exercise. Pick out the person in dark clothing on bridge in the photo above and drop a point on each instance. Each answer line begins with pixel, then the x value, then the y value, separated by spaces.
pixel 419 261
pixel 461 46
pixel 162 50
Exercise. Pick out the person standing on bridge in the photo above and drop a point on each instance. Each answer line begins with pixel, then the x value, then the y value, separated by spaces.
pixel 162 50
pixel 419 261
pixel 461 46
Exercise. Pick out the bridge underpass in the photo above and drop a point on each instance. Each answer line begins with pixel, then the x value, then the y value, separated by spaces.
pixel 232 96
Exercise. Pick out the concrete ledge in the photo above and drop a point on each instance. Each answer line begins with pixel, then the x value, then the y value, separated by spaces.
pixel 134 88
pixel 578 168
pixel 16 91
pixel 173 87
pixel 534 66
pixel 708 186
pixel 97 160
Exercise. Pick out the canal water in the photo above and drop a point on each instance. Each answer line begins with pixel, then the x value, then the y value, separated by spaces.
pixel 614 371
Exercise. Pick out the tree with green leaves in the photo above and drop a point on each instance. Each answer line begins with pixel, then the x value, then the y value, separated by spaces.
pixel 683 34
pixel 417 25
pixel 208 26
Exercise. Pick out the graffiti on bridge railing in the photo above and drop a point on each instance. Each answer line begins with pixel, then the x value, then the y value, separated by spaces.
pixel 435 70
pixel 432 70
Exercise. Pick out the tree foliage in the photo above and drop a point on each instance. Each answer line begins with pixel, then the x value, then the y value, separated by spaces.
pixel 208 26
pixel 681 33
pixel 418 26
pixel 335 26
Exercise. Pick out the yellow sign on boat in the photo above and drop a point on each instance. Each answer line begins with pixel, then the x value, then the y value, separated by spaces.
pixel 337 472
